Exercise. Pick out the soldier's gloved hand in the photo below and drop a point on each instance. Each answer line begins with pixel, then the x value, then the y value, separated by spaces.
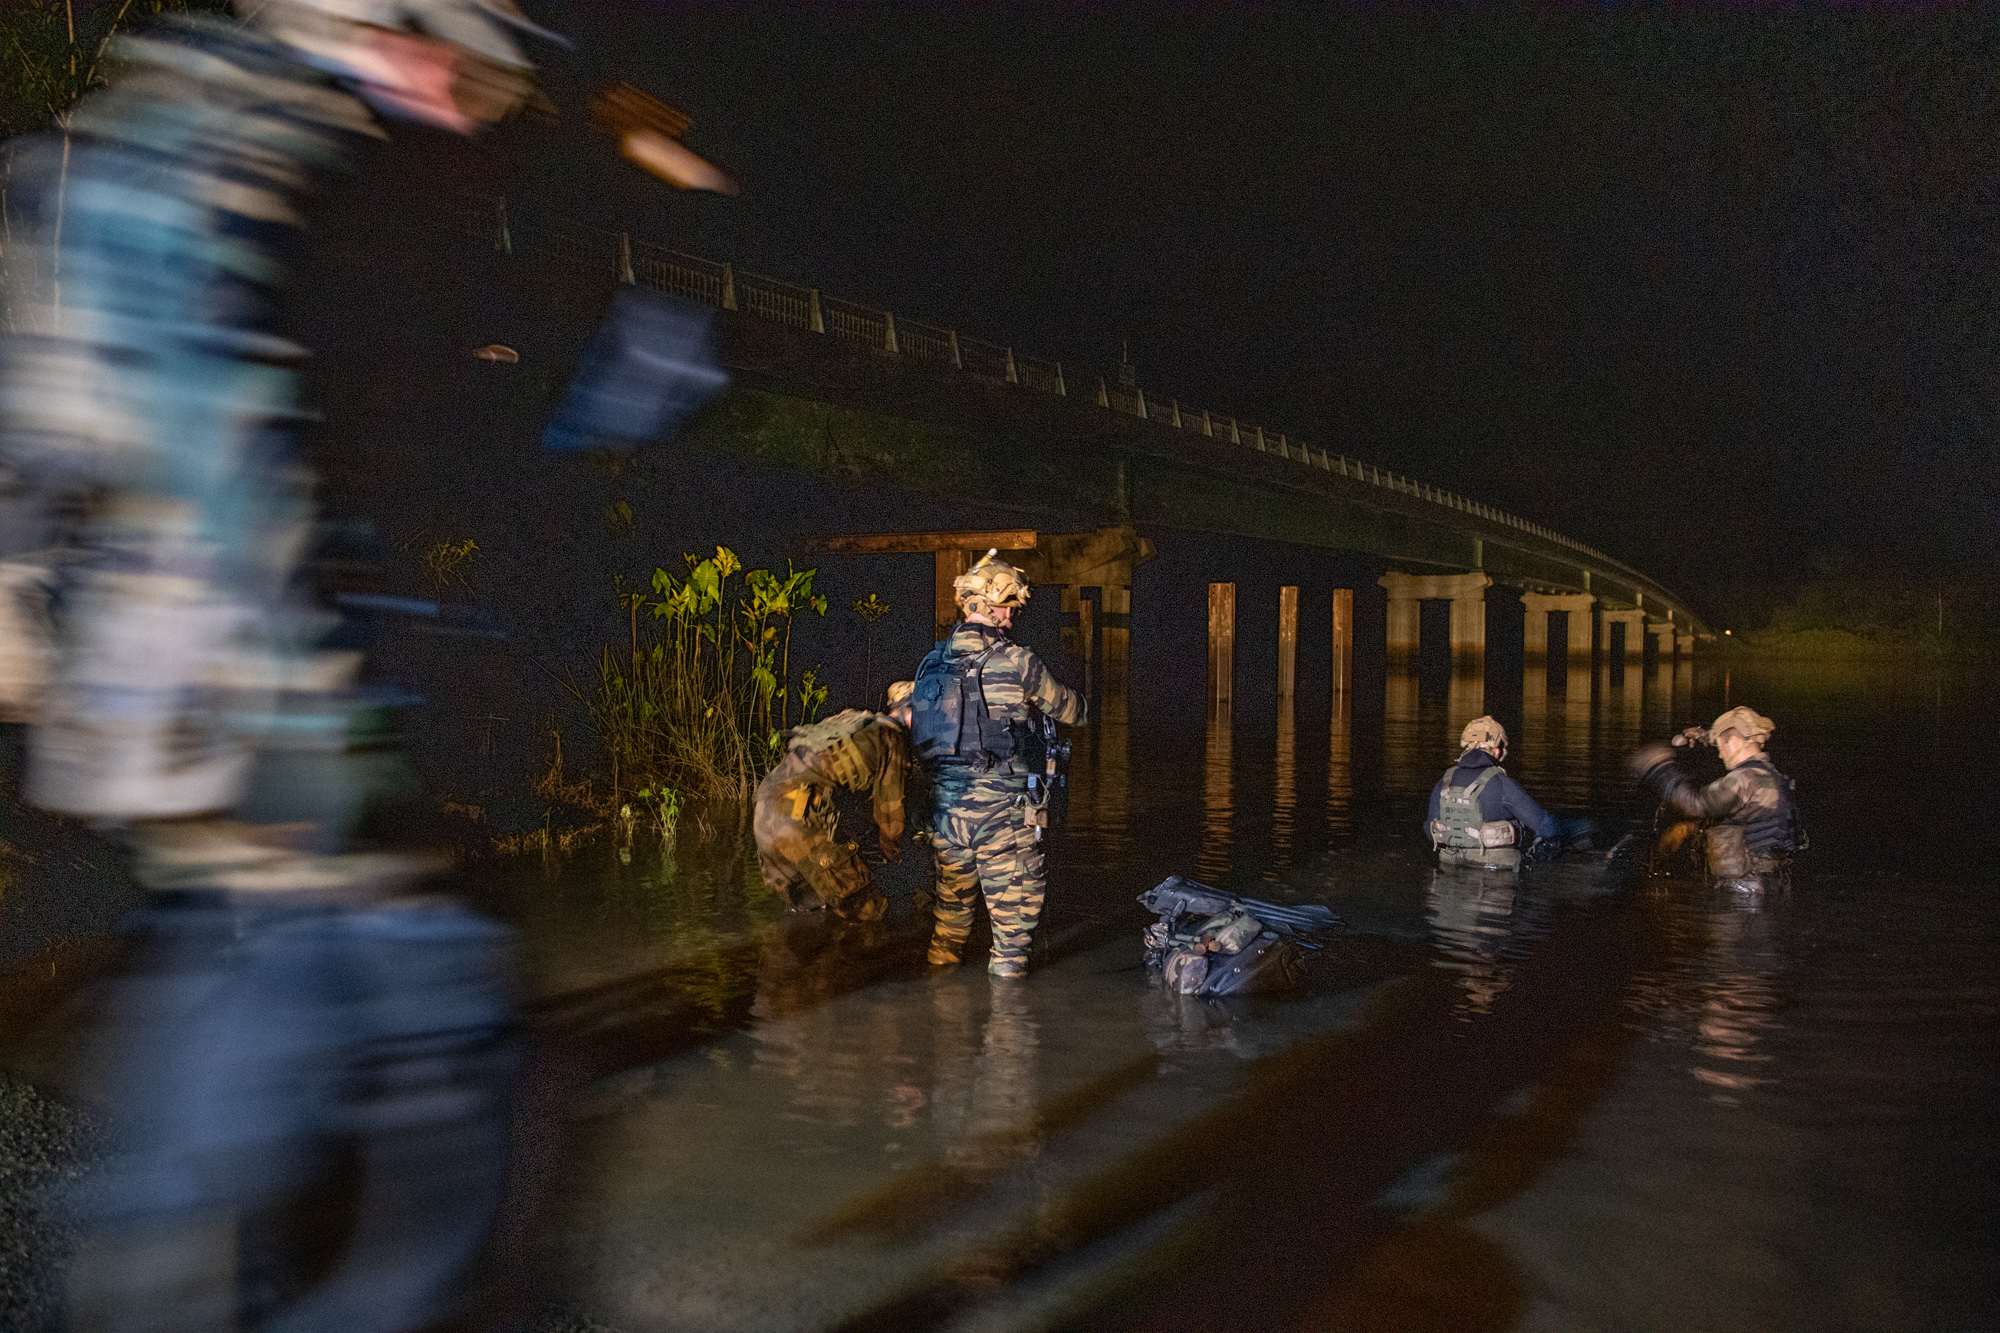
pixel 1692 736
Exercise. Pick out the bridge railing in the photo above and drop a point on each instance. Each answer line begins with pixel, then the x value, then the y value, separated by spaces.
pixel 881 333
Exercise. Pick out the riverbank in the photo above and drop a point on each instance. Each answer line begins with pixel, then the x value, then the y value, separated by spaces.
pixel 1838 645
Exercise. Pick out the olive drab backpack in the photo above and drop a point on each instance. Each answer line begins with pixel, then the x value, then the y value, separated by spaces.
pixel 1458 823
pixel 949 720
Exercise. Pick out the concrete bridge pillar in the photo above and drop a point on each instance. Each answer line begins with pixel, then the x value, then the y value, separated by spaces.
pixel 1405 626
pixel 1221 649
pixel 1104 560
pixel 1535 636
pixel 1663 640
pixel 1288 641
pixel 1684 643
pixel 1074 561
pixel 1467 594
pixel 1634 622
pixel 1343 645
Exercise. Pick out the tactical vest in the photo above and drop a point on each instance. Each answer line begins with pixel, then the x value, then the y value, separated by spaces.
pixel 1458 823
pixel 1776 829
pixel 831 741
pixel 949 720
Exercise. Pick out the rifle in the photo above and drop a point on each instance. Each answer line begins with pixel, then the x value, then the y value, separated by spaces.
pixel 1041 744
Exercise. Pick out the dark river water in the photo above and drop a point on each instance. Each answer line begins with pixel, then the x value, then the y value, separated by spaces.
pixel 1548 1102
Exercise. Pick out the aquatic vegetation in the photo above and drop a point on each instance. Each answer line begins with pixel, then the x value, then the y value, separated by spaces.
pixel 445 562
pixel 698 704
pixel 871 609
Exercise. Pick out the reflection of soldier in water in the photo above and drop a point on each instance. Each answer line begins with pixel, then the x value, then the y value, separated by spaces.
pixel 807 1031
pixel 983 1101
pixel 796 819
pixel 1478 923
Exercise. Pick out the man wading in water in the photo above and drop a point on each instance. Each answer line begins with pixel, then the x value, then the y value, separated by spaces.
pixel 1753 828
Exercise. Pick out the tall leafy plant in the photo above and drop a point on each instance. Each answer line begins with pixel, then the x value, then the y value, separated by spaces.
pixel 701 698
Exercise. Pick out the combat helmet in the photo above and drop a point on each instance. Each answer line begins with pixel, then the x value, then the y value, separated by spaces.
pixel 1482 731
pixel 331 33
pixel 988 584
pixel 1746 722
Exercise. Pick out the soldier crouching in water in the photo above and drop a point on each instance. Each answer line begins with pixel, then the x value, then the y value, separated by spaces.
pixel 1478 814
pixel 795 819
pixel 1752 822
pixel 977 699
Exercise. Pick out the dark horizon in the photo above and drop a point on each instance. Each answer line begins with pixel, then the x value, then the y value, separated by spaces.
pixel 1704 291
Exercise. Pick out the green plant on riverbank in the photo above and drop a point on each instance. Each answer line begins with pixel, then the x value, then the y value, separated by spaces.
pixel 700 700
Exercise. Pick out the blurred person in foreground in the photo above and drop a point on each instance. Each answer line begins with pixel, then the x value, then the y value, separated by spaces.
pixel 796 821
pixel 1479 817
pixel 975 725
pixel 1751 817
pixel 297 1035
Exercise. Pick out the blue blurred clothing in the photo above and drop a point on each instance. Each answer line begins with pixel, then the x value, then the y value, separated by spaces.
pixel 257 1044
pixel 264 1044
pixel 144 369
pixel 1501 799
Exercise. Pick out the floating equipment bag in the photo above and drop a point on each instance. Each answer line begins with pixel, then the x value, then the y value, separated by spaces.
pixel 1212 943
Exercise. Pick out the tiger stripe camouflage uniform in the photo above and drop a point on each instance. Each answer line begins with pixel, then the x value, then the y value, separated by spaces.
pixel 795 817
pixel 980 836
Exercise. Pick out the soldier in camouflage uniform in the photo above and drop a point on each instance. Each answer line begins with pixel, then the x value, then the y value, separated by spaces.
pixel 795 818
pixel 289 1020
pixel 977 695
pixel 1752 826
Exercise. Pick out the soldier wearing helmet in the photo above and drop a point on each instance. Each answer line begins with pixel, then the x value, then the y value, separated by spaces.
pixel 297 1008
pixel 978 696
pixel 795 819
pixel 1752 819
pixel 1479 817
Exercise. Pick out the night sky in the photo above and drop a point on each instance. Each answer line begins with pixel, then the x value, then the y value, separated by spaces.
pixel 1714 292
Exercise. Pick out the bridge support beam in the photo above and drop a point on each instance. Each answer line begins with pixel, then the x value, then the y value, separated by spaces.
pixel 1074 561
pixel 1343 644
pixel 1467 594
pixel 1634 622
pixel 1663 639
pixel 1535 632
pixel 1288 641
pixel 1104 560
pixel 1684 644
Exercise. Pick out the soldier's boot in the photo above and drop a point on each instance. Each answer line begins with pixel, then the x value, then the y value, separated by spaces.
pixel 943 953
pixel 1007 968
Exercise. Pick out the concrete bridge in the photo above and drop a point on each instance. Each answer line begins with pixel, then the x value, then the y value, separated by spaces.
pixel 859 394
